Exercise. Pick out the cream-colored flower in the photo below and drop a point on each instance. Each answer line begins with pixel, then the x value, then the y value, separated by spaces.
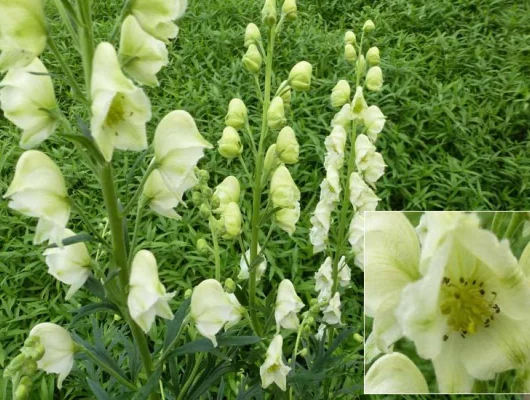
pixel 287 146
pixel 358 105
pixel 227 191
pixel 286 218
pixel 261 268
pixel 374 121
pixel 374 79
pixel 361 196
pixel 340 94
pixel 324 276
pixel 230 143
pixel 320 221
pixel 332 313
pixel 372 56
pixel 212 309
pixel 343 117
pixel 38 190
pixel 394 374
pixel 232 220
pixel 141 55
pixel 147 296
pixel 288 304
pixel 156 16
pixel 27 97
pixel 69 264
pixel 252 59
pixel 344 275
pixel 160 199
pixel 273 369
pixel 252 35
pixel 300 76
pixel 368 161
pixel 237 114
pixel 120 110
pixel 276 114
pixel 356 238
pixel 284 193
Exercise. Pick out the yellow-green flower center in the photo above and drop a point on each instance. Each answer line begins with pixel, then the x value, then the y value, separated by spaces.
pixel 273 368
pixel 467 305
pixel 116 113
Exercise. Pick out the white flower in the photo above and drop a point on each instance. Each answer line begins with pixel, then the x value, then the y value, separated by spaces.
pixel 320 221
pixel 141 55
pixel 288 304
pixel 369 163
pixel 358 105
pixel 70 264
pixel 273 369
pixel 59 349
pixel 340 95
pixel 227 191
pixel 356 237
pixel 336 141
pixel 26 99
pixel 156 16
pixel 22 32
pixel 147 296
pixel 261 268
pixel 120 110
pixel 178 147
pixel 394 374
pixel 344 272
pixel 374 78
pixel 324 276
pixel 362 197
pixel 161 200
pixel 231 220
pixel 374 121
pixel 212 309
pixel 284 193
pixel 343 117
pixel 332 312
pixel 321 330
pixel 286 218
pixel 38 190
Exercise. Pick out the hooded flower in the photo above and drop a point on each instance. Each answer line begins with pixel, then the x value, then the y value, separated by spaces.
pixel 212 309
pixel 120 110
pixel 344 272
pixel 22 32
pixel 59 349
pixel 38 190
pixel 273 369
pixel 26 99
pixel 156 16
pixel 69 264
pixel 227 191
pixel 284 193
pixel 374 121
pixel 160 199
pixel 141 55
pixel 288 304
pixel 243 264
pixel 324 276
pixel 368 161
pixel 332 311
pixel 286 218
pixel 356 238
pixel 147 296
pixel 362 197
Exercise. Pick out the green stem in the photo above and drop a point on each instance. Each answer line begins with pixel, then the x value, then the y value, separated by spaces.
pixel 86 41
pixel 295 350
pixel 132 247
pixel 256 198
pixel 497 223
pixel 140 188
pixel 111 371
pixel 359 72
pixel 174 341
pixel 192 376
pixel 244 165
pixel 89 225
pixel 124 12
pixel 515 222
pixel 216 254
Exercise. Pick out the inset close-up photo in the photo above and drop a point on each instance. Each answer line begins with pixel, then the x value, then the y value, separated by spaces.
pixel 447 300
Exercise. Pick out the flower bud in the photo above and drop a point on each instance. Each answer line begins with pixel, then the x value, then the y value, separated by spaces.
pixel 202 247
pixel 227 191
pixel 35 352
pixel 230 144
pixel 230 286
pixel 276 114
pixel 287 147
pixel 31 341
pixel 358 338
pixel 29 368
pixel 340 94
pixel 237 114
pixel 361 64
pixel 374 79
pixel 16 363
pixel 368 26
pixel 349 53
pixel 22 392
pixel 204 176
pixel 231 219
pixel 303 352
pixel 300 76
pixel 215 202
pixel 372 56
pixel 206 191
pixel 289 9
pixel 288 305
pixel 268 13
pixel 252 59
pixel 252 35
pixel 188 293
pixel 204 211
pixel 196 198
pixel 283 190
pixel 358 104
pixel 271 159
pixel 349 38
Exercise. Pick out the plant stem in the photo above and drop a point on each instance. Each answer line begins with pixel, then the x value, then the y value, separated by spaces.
pixel 256 198
pixel 192 376
pixel 515 222
pixel 216 254
pixel 111 371
pixel 140 188
pixel 86 41
pixel 89 226
pixel 166 353
pixel 295 350
pixel 124 12
pixel 132 247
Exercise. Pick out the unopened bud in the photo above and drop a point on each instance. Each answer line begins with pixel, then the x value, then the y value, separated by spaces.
pixel 215 202
pixel 252 35
pixel 206 191
pixel 303 352
pixel 29 368
pixel 204 211
pixel 271 159
pixel 230 144
pixel 268 13
pixel 349 53
pixel 237 114
pixel 300 76
pixel 361 64
pixel 358 338
pixel 252 59
pixel 289 9
pixel 230 286
pixel 187 294
pixel 196 198
pixel 283 190
pixel 368 26
pixel 276 114
pixel 310 320
pixel 21 393
pixel 232 220
pixel 307 329
pixel 287 146
pixel 26 381
pixel 340 94
pixel 349 38
pixel 372 56
pixel 16 363
pixel 204 176
pixel 202 247
pixel 374 79
pixel 36 352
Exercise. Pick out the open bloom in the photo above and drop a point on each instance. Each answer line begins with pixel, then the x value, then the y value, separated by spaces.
pixel 26 99
pixel 374 121
pixel 332 311
pixel 22 32
pixel 59 349
pixel 120 110
pixel 147 296
pixel 324 276
pixel 141 55
pixel 356 238
pixel 394 374
pixel 160 199
pixel 286 218
pixel 368 161
pixel 273 369
pixel 361 196
pixel 156 16
pixel 38 190
pixel 69 264
pixel 288 304
pixel 243 264
pixel 178 147
pixel 212 309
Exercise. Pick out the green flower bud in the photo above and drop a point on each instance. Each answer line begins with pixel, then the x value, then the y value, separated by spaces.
pixel 252 35
pixel 268 13
pixel 372 56
pixel 232 220
pixel 283 190
pixel 361 64
pixel 349 53
pixel 374 79
pixel 215 202
pixel 26 381
pixel 204 176
pixel 230 286
pixel 202 247
pixel 22 393
pixel 276 114
pixel 206 191
pixel 340 94
pixel 368 26
pixel 196 198
pixel 117 317
pixel 349 38
pixel 16 363
pixel 204 211
pixel 287 147
pixel 31 341
pixel 36 352
pixel 29 368
pixel 303 352
pixel 188 293
pixel 289 10
pixel 300 76
pixel 271 159
pixel 230 144
pixel 310 321
pixel 252 59
pixel 237 114
pixel 307 329
pixel 358 338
